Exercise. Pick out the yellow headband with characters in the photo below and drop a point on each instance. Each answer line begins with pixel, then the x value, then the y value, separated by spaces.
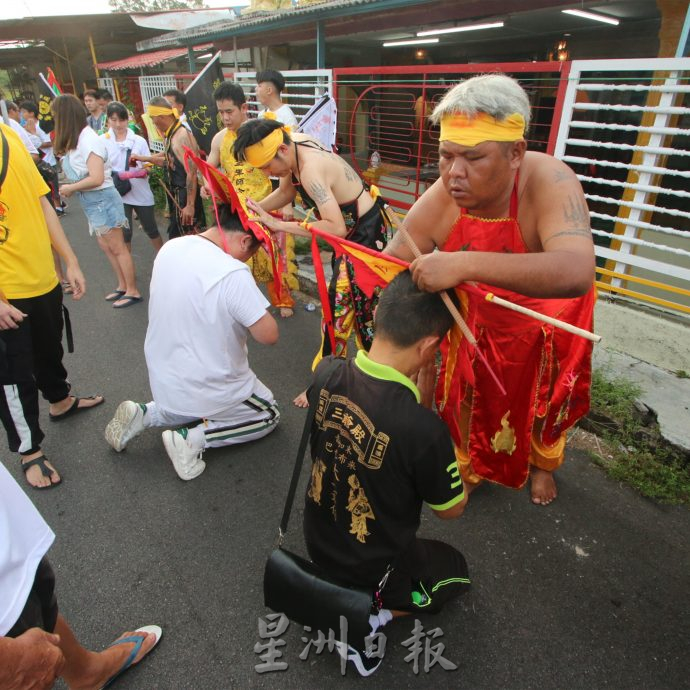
pixel 259 155
pixel 470 131
pixel 158 110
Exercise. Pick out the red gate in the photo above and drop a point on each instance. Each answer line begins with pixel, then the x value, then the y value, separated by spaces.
pixel 385 109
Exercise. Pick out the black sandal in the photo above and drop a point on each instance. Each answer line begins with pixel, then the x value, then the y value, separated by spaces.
pixel 74 408
pixel 40 462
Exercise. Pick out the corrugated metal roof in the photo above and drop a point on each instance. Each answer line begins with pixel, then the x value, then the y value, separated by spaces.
pixel 246 22
pixel 148 59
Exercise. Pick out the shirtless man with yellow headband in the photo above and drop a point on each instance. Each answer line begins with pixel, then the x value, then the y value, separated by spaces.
pixel 186 209
pixel 516 223
pixel 342 204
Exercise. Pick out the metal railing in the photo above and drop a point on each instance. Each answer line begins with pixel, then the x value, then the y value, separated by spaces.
pixel 625 131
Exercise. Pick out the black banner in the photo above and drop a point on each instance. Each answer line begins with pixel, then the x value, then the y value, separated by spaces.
pixel 200 110
pixel 45 100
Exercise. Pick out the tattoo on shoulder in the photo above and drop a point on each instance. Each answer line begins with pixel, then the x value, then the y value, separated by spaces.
pixel 561 175
pixel 575 211
pixel 350 174
pixel 319 193
pixel 575 232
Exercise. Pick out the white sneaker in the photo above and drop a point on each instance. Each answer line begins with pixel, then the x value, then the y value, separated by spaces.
pixel 127 423
pixel 186 460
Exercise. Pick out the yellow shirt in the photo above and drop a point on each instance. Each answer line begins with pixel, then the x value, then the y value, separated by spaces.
pixel 248 181
pixel 26 259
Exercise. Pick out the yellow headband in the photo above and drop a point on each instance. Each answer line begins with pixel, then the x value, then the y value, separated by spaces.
pixel 467 131
pixel 263 152
pixel 157 110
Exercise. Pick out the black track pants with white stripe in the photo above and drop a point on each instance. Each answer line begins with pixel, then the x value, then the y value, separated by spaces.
pixel 31 360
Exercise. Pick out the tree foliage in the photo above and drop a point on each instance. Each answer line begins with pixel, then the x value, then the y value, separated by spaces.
pixel 154 5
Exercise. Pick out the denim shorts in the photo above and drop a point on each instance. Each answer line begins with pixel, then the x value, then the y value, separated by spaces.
pixel 103 209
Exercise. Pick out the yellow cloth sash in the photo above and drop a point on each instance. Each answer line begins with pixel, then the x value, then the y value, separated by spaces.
pixel 470 131
pixel 157 110
pixel 151 129
pixel 259 155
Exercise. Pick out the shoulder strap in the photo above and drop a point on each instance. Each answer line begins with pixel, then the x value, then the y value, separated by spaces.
pixel 5 158
pixel 320 380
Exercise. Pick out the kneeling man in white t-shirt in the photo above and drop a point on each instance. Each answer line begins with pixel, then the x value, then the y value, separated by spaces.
pixel 203 303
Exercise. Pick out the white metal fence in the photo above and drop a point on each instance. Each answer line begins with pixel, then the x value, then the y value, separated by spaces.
pixel 302 88
pixel 107 83
pixel 625 130
pixel 155 86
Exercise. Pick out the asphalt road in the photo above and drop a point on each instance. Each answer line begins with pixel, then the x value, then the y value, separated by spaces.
pixel 591 592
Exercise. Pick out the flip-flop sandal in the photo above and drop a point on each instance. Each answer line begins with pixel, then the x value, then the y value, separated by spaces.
pixel 74 409
pixel 40 462
pixel 138 640
pixel 127 301
pixel 114 296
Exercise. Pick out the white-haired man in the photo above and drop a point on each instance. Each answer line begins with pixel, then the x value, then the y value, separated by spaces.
pixel 516 223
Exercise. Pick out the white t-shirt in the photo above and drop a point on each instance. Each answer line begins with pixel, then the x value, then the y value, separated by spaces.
pixel 285 115
pixel 202 301
pixel 184 122
pixel 48 155
pixel 74 161
pixel 24 136
pixel 141 194
pixel 24 540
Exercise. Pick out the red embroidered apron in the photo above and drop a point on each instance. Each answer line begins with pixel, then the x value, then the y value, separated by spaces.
pixel 546 372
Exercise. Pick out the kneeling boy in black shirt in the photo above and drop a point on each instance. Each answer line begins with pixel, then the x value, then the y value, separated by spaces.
pixel 377 454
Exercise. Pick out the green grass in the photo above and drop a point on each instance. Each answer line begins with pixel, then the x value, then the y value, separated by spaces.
pixel 156 173
pixel 303 245
pixel 639 455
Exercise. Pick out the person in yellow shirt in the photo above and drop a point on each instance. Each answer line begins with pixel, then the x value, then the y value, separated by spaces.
pixel 251 182
pixel 31 319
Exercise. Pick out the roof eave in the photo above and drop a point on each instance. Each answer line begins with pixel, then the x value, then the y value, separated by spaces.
pixel 278 22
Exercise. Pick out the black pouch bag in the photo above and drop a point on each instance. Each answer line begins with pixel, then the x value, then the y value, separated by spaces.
pixel 302 590
pixel 123 186
pixel 305 594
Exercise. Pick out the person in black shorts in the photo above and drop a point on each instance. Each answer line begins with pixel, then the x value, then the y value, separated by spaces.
pixel 37 644
pixel 182 188
pixel 377 454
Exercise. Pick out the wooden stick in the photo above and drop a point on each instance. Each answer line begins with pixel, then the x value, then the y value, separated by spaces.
pixel 168 192
pixel 455 314
pixel 444 295
pixel 563 325
pixel 490 297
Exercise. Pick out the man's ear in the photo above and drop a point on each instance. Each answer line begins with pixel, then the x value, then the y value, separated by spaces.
pixel 427 347
pixel 517 153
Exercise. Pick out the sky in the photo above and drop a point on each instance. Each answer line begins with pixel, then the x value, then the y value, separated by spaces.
pixel 44 8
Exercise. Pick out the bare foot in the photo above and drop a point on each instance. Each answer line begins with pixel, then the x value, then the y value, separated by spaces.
pixel 301 400
pixel 108 662
pixel 286 312
pixel 542 486
pixel 34 475
pixel 471 486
